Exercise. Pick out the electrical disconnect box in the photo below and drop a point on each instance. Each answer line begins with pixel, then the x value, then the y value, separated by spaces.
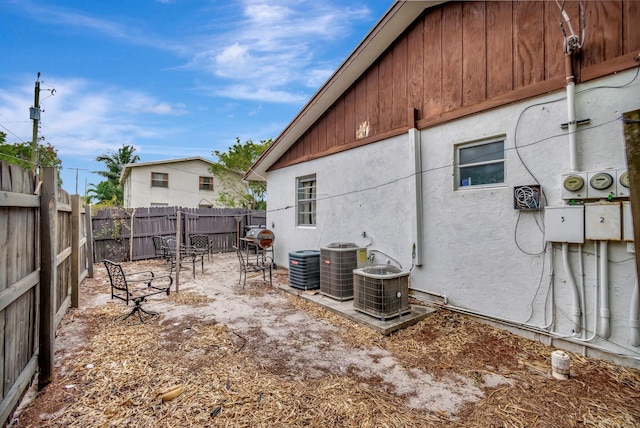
pixel 564 224
pixel 603 221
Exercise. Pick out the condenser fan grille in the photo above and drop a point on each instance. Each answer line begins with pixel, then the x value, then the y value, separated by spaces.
pixel 381 292
pixel 337 262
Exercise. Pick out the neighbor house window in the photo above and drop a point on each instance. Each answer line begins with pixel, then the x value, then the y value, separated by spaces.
pixel 206 183
pixel 480 163
pixel 306 201
pixel 159 179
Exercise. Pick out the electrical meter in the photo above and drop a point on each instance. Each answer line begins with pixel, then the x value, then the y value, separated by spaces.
pixel 573 183
pixel 601 181
pixel 624 183
pixel 624 179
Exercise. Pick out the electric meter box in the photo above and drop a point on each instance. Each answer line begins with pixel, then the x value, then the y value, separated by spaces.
pixel 602 184
pixel 574 186
pixel 603 221
pixel 564 223
pixel 627 222
pixel 622 182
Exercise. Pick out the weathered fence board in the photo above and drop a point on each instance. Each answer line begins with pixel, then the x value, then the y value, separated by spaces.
pixel 34 280
pixel 122 235
pixel 19 280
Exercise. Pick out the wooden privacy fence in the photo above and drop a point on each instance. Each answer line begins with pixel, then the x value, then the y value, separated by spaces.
pixel 126 234
pixel 43 258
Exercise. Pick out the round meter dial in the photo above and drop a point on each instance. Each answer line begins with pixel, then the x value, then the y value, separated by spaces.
pixel 573 183
pixel 624 179
pixel 601 181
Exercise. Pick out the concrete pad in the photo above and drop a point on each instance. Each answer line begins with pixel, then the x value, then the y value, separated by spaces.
pixel 345 308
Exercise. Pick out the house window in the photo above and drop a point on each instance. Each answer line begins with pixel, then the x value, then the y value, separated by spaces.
pixel 480 163
pixel 206 183
pixel 159 179
pixel 306 201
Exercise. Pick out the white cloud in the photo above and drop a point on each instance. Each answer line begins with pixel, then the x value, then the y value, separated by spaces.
pixel 83 121
pixel 247 92
pixel 277 46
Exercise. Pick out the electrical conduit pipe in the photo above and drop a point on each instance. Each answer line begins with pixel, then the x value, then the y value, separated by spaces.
pixel 577 316
pixel 634 322
pixel 605 314
pixel 573 166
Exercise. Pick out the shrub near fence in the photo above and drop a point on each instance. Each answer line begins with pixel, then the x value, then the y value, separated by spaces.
pixel 126 234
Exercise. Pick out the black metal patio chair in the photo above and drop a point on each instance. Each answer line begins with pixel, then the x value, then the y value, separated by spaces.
pixel 187 255
pixel 136 287
pixel 160 247
pixel 250 264
pixel 201 242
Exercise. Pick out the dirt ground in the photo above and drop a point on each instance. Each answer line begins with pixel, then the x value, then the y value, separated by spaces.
pixel 261 357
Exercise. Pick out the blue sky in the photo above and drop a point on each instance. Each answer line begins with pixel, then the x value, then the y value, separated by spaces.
pixel 173 78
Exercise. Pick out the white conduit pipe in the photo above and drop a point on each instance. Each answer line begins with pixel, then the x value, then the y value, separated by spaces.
pixel 605 314
pixel 634 316
pixel 574 289
pixel 573 126
pixel 583 297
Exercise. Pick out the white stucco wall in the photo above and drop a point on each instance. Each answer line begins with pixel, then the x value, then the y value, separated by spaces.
pixel 470 234
pixel 183 187
pixel 469 250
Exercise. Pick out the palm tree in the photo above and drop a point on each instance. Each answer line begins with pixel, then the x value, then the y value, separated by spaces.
pixel 115 162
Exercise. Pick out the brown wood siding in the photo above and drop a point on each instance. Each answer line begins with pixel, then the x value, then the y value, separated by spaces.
pixel 432 64
pixel 474 56
pixel 461 58
pixel 499 49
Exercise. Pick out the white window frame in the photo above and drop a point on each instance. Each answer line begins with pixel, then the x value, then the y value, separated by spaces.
pixel 306 201
pixel 459 166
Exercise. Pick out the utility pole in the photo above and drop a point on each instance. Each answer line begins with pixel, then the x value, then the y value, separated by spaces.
pixel 34 113
pixel 78 169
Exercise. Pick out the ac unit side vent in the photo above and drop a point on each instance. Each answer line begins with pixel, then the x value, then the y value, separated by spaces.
pixel 383 295
pixel 337 262
pixel 304 269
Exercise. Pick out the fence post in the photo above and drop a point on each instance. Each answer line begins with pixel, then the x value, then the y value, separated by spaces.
pixel 48 268
pixel 75 249
pixel 89 229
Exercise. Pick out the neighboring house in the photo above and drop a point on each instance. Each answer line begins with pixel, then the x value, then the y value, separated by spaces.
pixel 418 144
pixel 183 182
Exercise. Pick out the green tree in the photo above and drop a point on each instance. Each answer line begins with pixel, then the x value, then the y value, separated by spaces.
pixel 234 163
pixel 114 162
pixel 20 154
pixel 105 193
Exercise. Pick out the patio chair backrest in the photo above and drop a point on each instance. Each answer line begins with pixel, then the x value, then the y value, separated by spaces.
pixel 116 276
pixel 199 241
pixel 159 245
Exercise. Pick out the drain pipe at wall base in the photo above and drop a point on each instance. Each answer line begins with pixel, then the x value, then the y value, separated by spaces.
pixel 634 322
